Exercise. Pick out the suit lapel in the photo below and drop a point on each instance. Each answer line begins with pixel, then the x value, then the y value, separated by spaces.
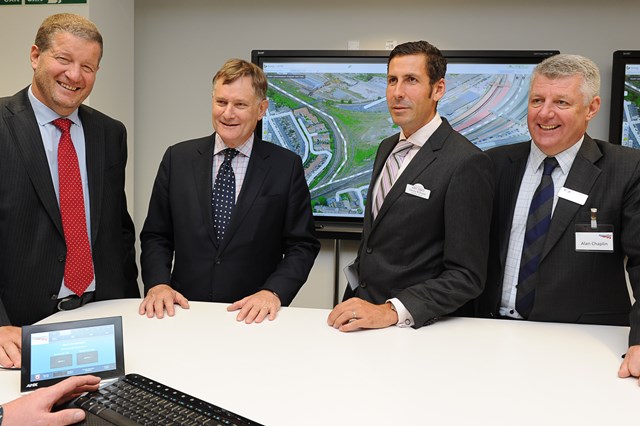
pixel 257 172
pixel 24 128
pixel 203 176
pixel 582 176
pixel 95 149
pixel 425 156
pixel 383 152
pixel 509 187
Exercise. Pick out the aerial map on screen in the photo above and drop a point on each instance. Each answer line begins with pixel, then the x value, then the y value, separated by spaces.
pixel 631 107
pixel 334 116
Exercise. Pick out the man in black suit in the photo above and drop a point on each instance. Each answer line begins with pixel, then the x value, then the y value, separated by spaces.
pixel 426 226
pixel 66 237
pixel 231 213
pixel 574 271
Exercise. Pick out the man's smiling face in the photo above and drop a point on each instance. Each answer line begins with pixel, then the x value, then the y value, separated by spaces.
pixel 559 112
pixel 65 73
pixel 236 110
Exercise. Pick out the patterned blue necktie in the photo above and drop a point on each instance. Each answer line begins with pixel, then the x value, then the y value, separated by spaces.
pixel 224 194
pixel 537 226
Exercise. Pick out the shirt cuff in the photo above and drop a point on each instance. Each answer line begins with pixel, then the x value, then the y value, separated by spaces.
pixel 404 317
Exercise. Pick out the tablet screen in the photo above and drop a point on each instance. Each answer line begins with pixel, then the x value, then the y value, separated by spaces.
pixel 52 352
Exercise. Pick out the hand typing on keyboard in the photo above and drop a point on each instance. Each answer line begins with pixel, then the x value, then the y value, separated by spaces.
pixel 35 408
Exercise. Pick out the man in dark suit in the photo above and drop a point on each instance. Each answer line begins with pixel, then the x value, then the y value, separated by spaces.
pixel 231 213
pixel 66 237
pixel 569 265
pixel 426 226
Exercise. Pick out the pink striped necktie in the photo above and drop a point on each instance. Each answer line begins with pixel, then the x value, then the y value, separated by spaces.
pixel 390 173
pixel 78 267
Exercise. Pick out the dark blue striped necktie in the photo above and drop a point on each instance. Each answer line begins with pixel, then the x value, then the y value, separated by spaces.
pixel 535 234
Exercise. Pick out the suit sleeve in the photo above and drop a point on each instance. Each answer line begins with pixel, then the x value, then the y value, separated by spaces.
pixel 631 246
pixel 467 220
pixel 128 232
pixel 156 238
pixel 4 318
pixel 300 247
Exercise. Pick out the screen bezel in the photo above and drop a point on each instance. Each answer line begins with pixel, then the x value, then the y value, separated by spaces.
pixel 621 58
pixel 351 227
pixel 28 330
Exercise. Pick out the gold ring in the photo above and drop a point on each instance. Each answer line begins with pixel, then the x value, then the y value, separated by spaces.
pixel 354 315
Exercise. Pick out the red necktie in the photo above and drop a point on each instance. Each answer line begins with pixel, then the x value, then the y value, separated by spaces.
pixel 78 268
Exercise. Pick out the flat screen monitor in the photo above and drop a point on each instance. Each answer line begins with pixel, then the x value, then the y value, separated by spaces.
pixel 624 123
pixel 330 108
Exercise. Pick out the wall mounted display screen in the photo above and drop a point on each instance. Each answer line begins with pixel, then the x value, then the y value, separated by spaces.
pixel 624 123
pixel 330 108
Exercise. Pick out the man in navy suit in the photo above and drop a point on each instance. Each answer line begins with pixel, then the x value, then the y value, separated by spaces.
pixel 230 216
pixel 37 249
pixel 578 271
pixel 426 225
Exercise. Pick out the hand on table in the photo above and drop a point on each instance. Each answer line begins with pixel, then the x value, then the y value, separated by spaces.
pixel 10 346
pixel 631 365
pixel 257 307
pixel 355 313
pixel 35 408
pixel 159 298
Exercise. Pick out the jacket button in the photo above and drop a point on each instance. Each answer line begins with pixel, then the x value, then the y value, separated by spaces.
pixel 369 250
pixel 53 297
pixel 363 284
pixel 61 258
pixel 218 261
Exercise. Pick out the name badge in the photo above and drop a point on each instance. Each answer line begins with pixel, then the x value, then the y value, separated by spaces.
pixel 600 240
pixel 418 190
pixel 573 196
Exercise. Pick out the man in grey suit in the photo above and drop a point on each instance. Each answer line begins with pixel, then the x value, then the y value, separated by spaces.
pixel 569 265
pixel 66 237
pixel 426 227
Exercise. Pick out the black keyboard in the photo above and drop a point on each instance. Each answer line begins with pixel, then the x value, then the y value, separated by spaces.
pixel 137 400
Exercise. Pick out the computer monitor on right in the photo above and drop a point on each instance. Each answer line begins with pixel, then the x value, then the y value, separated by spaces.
pixel 624 123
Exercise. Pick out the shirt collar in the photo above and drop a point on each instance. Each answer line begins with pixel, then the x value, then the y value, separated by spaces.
pixel 425 132
pixel 45 115
pixel 244 149
pixel 565 158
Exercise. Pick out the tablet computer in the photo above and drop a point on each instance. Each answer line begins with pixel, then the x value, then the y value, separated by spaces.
pixel 52 352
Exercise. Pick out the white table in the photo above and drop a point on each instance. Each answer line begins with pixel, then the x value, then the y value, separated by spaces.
pixel 298 371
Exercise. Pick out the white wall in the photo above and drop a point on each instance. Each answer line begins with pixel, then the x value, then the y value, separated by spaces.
pixel 180 44
pixel 113 92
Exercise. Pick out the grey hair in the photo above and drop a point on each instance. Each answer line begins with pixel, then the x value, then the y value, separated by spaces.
pixel 565 65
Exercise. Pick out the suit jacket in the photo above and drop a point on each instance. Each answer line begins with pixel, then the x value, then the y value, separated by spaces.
pixel 32 246
pixel 269 243
pixel 429 253
pixel 581 287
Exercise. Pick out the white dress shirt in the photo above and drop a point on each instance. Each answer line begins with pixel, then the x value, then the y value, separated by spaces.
pixel 239 163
